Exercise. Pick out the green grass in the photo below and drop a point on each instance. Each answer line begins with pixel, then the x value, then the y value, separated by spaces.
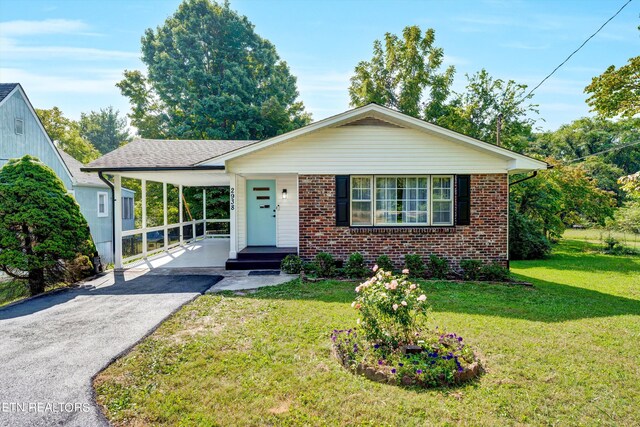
pixel 12 290
pixel 597 236
pixel 562 353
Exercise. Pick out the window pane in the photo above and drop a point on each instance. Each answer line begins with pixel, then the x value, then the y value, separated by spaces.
pixel 361 213
pixel 442 212
pixel 401 200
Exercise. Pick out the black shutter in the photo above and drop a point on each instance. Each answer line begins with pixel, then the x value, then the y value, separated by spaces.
pixel 342 200
pixel 463 201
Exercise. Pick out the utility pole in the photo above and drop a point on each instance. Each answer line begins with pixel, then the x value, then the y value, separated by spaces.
pixel 498 129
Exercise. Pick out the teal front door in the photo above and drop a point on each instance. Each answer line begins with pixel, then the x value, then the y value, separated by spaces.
pixel 261 212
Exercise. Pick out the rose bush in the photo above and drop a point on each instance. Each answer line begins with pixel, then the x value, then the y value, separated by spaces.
pixel 392 342
pixel 391 308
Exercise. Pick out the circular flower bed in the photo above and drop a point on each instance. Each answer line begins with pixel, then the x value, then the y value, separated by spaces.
pixel 391 343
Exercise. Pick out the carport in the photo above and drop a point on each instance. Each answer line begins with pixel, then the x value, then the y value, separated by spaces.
pixel 184 241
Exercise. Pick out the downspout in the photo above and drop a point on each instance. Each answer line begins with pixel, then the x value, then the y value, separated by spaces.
pixel 535 173
pixel 113 213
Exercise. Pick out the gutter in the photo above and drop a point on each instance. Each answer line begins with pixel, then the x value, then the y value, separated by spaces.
pixel 535 173
pixel 151 168
pixel 113 212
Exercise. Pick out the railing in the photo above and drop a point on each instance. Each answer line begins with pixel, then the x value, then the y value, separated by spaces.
pixel 144 242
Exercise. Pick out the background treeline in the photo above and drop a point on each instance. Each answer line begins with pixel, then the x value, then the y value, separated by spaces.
pixel 227 82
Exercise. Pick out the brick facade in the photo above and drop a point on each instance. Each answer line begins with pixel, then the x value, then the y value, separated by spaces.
pixel 485 239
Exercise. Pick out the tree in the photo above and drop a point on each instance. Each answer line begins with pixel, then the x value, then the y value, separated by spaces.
pixel 562 196
pixel 66 135
pixel 616 92
pixel 591 135
pixel 404 74
pixel 104 129
pixel 486 104
pixel 41 227
pixel 210 76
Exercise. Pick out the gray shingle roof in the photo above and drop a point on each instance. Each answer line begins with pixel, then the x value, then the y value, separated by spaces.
pixel 5 89
pixel 165 153
pixel 82 178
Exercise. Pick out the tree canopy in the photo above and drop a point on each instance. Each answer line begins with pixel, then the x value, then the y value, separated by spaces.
pixel 66 135
pixel 104 129
pixel 486 104
pixel 616 92
pixel 210 76
pixel 404 74
pixel 41 227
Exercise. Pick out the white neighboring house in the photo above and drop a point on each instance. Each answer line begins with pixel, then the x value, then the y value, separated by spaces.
pixel 22 133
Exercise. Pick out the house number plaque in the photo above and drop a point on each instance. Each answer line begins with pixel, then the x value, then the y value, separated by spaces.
pixel 232 198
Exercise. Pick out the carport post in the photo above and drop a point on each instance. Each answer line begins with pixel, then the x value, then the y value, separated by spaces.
pixel 143 185
pixel 204 212
pixel 117 220
pixel 164 215
pixel 180 218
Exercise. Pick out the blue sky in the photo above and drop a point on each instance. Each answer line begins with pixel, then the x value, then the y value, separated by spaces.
pixel 70 53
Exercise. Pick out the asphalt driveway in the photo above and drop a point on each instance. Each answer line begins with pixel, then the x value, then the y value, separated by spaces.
pixel 52 346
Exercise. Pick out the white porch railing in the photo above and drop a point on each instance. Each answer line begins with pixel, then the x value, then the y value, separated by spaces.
pixel 145 242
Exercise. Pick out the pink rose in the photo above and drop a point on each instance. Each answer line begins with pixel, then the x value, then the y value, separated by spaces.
pixel 405 271
pixel 395 307
pixel 422 297
pixel 393 285
pixel 413 286
pixel 375 268
pixel 404 303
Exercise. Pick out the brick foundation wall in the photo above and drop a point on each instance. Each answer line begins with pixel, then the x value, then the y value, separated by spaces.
pixel 485 239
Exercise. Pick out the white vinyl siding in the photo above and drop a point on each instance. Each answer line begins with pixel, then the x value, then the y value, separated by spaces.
pixel 103 205
pixel 354 150
pixel 287 214
pixel 420 200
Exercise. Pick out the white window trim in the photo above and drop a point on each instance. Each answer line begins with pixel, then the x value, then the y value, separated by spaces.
pixel 452 188
pixel 15 126
pixel 371 200
pixel 106 204
pixel 429 223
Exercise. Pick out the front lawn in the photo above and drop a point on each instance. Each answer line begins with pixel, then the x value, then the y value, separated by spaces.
pixel 563 353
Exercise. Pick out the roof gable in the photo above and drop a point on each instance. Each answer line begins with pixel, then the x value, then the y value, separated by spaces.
pixel 6 89
pixel 376 114
pixel 17 88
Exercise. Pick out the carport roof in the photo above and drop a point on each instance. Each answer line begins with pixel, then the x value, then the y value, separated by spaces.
pixel 141 154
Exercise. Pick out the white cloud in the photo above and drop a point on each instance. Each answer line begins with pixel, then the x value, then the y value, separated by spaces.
pixel 10 47
pixel 47 26
pixel 103 83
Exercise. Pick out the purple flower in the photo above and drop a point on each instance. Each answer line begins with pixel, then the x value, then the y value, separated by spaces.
pixel 376 346
pixel 419 371
pixel 401 364
pixel 380 362
pixel 393 371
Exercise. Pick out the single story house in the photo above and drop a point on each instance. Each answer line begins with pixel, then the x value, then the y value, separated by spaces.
pixel 22 133
pixel 370 180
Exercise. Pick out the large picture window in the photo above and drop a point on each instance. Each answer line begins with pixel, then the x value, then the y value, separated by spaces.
pixel 401 200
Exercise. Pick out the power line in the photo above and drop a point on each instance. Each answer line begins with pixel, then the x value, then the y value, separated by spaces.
pixel 619 147
pixel 576 51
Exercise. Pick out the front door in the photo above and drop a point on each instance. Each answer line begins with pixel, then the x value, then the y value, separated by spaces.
pixel 261 212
